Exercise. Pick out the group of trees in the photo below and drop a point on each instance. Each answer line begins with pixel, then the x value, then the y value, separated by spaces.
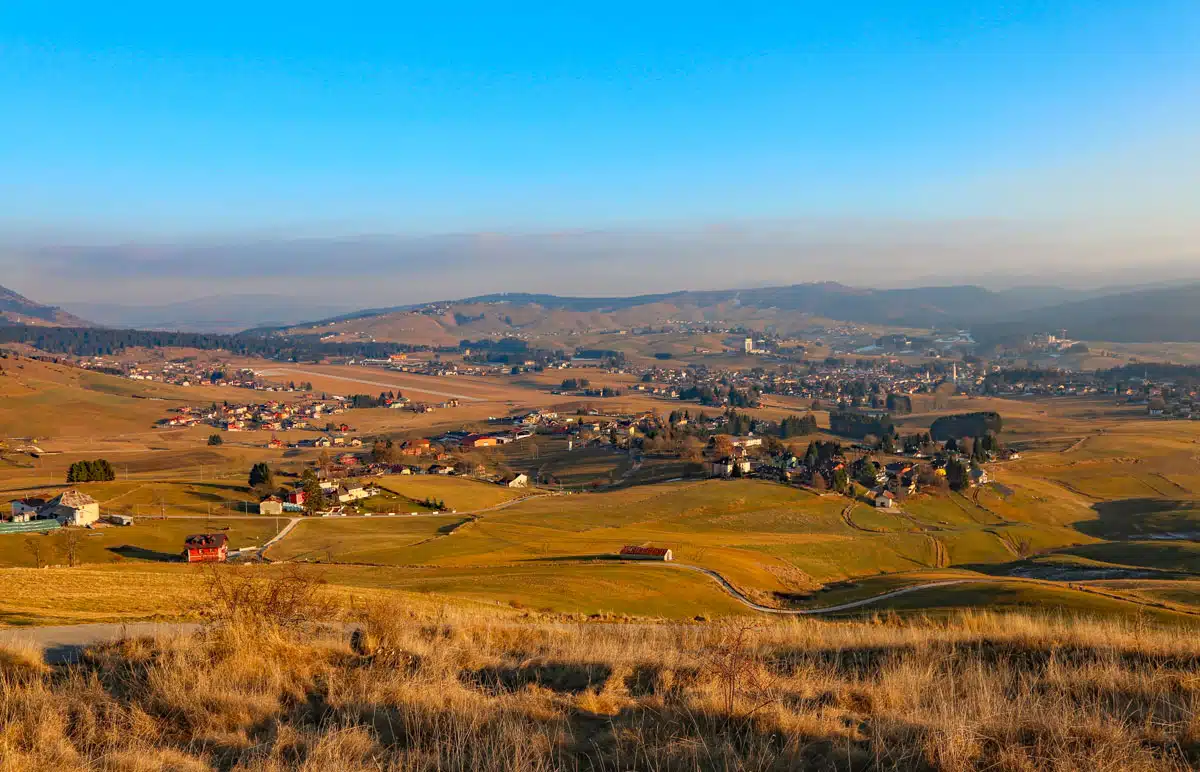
pixel 94 341
pixel 91 471
pixel 850 423
pixel 574 384
pixel 261 477
pixel 798 426
pixel 966 425
pixel 364 401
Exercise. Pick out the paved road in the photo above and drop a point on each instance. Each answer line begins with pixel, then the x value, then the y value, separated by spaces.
pixel 385 384
pixel 737 594
pixel 64 643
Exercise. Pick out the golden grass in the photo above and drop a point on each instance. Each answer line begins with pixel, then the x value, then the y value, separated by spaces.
pixel 431 688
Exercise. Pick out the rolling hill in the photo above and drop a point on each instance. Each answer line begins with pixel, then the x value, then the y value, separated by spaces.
pixel 18 309
pixel 1136 316
pixel 1118 315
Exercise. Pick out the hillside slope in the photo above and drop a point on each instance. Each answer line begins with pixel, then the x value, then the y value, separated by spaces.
pixel 17 308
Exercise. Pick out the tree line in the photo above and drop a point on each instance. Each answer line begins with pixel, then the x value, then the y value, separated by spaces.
pixel 89 341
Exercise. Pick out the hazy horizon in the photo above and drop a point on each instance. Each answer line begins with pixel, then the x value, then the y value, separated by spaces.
pixel 153 159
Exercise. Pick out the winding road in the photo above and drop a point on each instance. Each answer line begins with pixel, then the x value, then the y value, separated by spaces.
pixel 849 606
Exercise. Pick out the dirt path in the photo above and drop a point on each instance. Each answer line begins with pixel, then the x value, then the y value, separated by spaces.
pixel 384 384
pixel 847 518
pixel 1077 445
pixel 64 643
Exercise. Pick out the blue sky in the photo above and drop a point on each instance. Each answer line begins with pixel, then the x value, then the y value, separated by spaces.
pixel 214 120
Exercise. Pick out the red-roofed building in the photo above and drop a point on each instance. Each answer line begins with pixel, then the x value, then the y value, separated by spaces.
pixel 206 548
pixel 646 553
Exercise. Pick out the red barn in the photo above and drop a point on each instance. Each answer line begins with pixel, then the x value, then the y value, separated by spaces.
pixel 645 553
pixel 206 548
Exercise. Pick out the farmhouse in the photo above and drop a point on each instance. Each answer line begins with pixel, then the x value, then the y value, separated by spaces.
pixel 71 508
pixel 478 441
pixel 515 481
pixel 883 498
pixel 349 493
pixel 645 553
pixel 24 510
pixel 206 548
pixel 271 505
pixel 726 466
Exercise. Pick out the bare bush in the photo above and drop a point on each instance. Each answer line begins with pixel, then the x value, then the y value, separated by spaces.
pixel 288 599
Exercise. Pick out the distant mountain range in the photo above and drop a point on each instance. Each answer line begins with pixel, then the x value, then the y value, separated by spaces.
pixel 1147 314
pixel 18 309
pixel 217 313
pixel 1155 314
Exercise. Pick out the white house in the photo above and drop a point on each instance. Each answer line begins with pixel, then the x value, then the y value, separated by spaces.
pixel 24 510
pixel 515 481
pixel 71 508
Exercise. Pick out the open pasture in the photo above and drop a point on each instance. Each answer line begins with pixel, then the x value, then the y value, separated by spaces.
pixel 146 540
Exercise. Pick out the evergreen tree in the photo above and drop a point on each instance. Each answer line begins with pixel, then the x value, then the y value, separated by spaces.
pixel 261 476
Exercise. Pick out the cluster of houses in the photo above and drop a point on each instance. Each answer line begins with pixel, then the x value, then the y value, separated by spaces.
pixel 267 416
pixel 888 484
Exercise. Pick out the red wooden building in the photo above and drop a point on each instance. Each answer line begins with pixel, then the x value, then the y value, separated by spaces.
pixel 646 553
pixel 206 548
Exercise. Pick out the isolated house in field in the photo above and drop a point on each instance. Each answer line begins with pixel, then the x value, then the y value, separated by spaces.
pixel 515 481
pixel 646 553
pixel 979 476
pixel 71 508
pixel 883 498
pixel 206 548
pixel 271 505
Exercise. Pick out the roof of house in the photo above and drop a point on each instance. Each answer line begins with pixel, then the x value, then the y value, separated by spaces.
pixel 205 541
pixel 657 552
pixel 72 499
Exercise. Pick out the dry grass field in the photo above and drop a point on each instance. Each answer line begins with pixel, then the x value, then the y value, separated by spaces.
pixel 425 687
pixel 146 540
pixel 1102 494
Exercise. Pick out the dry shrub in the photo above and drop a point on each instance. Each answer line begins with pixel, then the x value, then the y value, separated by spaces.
pixel 247 596
pixel 446 688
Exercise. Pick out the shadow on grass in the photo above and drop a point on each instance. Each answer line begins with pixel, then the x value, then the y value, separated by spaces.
pixel 602 558
pixel 141 553
pixel 1140 517
pixel 561 677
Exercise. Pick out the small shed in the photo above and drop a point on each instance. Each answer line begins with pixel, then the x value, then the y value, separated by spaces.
pixel 646 553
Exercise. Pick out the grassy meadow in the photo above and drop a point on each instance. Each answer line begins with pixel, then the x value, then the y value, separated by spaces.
pixel 1101 494
pixel 424 686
